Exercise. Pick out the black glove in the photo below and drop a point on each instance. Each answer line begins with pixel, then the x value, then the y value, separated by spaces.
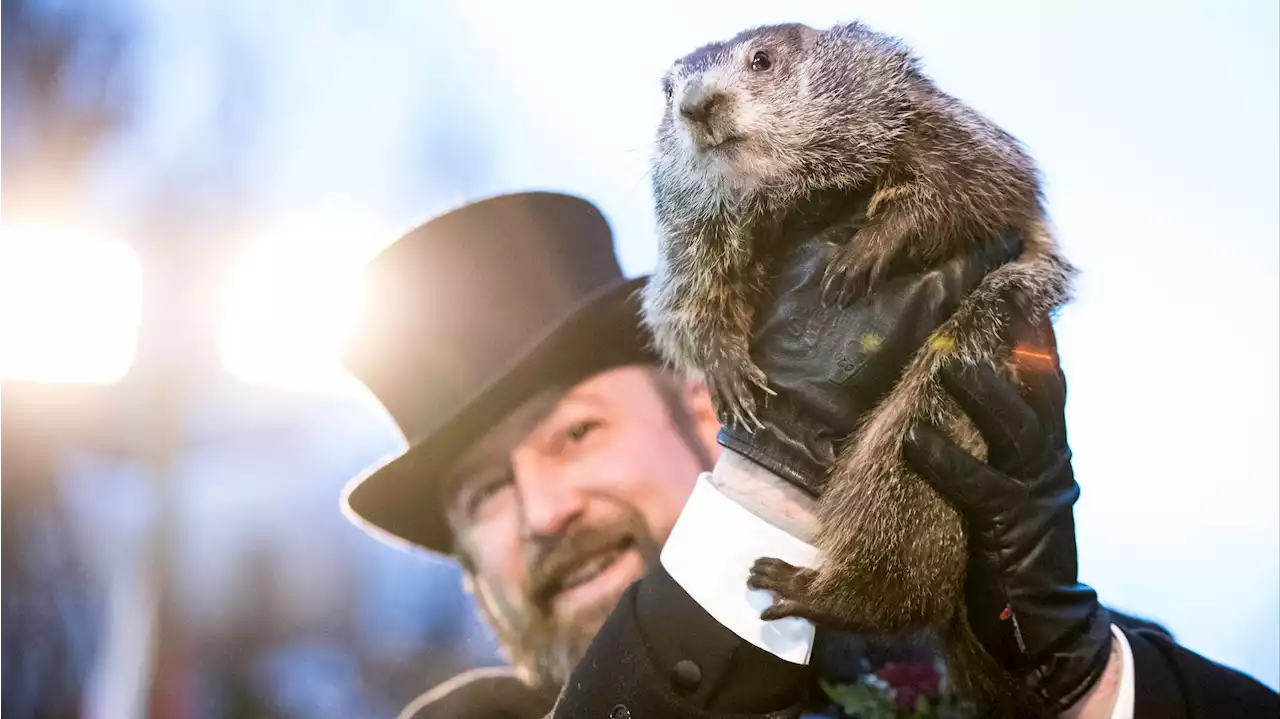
pixel 830 366
pixel 1024 601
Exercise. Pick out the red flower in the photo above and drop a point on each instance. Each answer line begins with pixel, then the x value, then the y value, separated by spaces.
pixel 910 680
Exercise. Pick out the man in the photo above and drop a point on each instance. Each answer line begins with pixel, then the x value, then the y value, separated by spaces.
pixel 530 352
pixel 553 458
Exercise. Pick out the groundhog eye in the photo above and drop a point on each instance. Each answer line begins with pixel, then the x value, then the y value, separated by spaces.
pixel 760 61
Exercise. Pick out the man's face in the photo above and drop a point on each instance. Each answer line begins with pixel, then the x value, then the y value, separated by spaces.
pixel 561 507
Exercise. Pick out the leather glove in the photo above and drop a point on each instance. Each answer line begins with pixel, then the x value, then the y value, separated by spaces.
pixel 1025 603
pixel 829 366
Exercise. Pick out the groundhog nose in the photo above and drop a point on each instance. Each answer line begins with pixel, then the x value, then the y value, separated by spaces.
pixel 699 102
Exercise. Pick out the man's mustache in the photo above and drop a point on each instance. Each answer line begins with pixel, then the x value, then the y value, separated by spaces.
pixel 553 559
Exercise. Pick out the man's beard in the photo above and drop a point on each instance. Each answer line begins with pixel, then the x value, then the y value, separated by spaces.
pixel 545 648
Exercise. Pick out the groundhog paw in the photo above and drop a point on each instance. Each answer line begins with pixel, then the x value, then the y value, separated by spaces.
pixel 756 376
pixel 794 595
pixel 730 387
pixel 856 269
pixel 732 398
pixel 782 578
pixel 788 583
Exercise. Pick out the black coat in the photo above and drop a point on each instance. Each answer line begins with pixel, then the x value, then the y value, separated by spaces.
pixel 661 655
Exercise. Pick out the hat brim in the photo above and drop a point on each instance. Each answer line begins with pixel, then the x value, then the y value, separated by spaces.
pixel 401 502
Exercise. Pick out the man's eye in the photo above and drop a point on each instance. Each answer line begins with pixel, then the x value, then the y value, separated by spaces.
pixel 480 494
pixel 579 430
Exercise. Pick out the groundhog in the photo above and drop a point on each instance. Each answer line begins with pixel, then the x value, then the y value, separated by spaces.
pixel 753 128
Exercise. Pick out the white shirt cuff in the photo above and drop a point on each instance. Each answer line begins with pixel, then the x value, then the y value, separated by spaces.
pixel 1124 695
pixel 710 552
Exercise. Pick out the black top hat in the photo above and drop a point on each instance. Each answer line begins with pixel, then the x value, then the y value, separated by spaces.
pixel 468 315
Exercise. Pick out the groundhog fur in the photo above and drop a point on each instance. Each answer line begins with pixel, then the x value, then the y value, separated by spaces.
pixel 753 127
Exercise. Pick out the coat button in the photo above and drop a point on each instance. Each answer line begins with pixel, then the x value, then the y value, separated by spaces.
pixel 686 675
pixel 620 712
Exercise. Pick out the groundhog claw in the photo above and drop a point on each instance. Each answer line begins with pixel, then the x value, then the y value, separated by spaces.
pixel 833 281
pixel 732 398
pixel 774 575
pixel 758 378
pixel 730 386
pixel 794 596
pixel 788 584
pixel 856 269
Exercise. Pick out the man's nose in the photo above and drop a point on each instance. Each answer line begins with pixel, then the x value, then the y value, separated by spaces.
pixel 700 101
pixel 548 504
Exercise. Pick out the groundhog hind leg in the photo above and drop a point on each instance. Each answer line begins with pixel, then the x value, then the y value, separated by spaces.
pixel 794 596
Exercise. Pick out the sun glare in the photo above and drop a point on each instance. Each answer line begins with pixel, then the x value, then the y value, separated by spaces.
pixel 291 302
pixel 70 305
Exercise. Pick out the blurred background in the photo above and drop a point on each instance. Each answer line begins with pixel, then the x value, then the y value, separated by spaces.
pixel 191 186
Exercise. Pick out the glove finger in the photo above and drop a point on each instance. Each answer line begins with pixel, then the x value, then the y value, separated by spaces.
pixel 1044 385
pixel 1045 391
pixel 975 489
pixel 1016 442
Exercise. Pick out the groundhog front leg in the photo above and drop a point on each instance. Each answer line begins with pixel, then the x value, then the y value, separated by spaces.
pixel 726 362
pixel 896 216
pixel 701 321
